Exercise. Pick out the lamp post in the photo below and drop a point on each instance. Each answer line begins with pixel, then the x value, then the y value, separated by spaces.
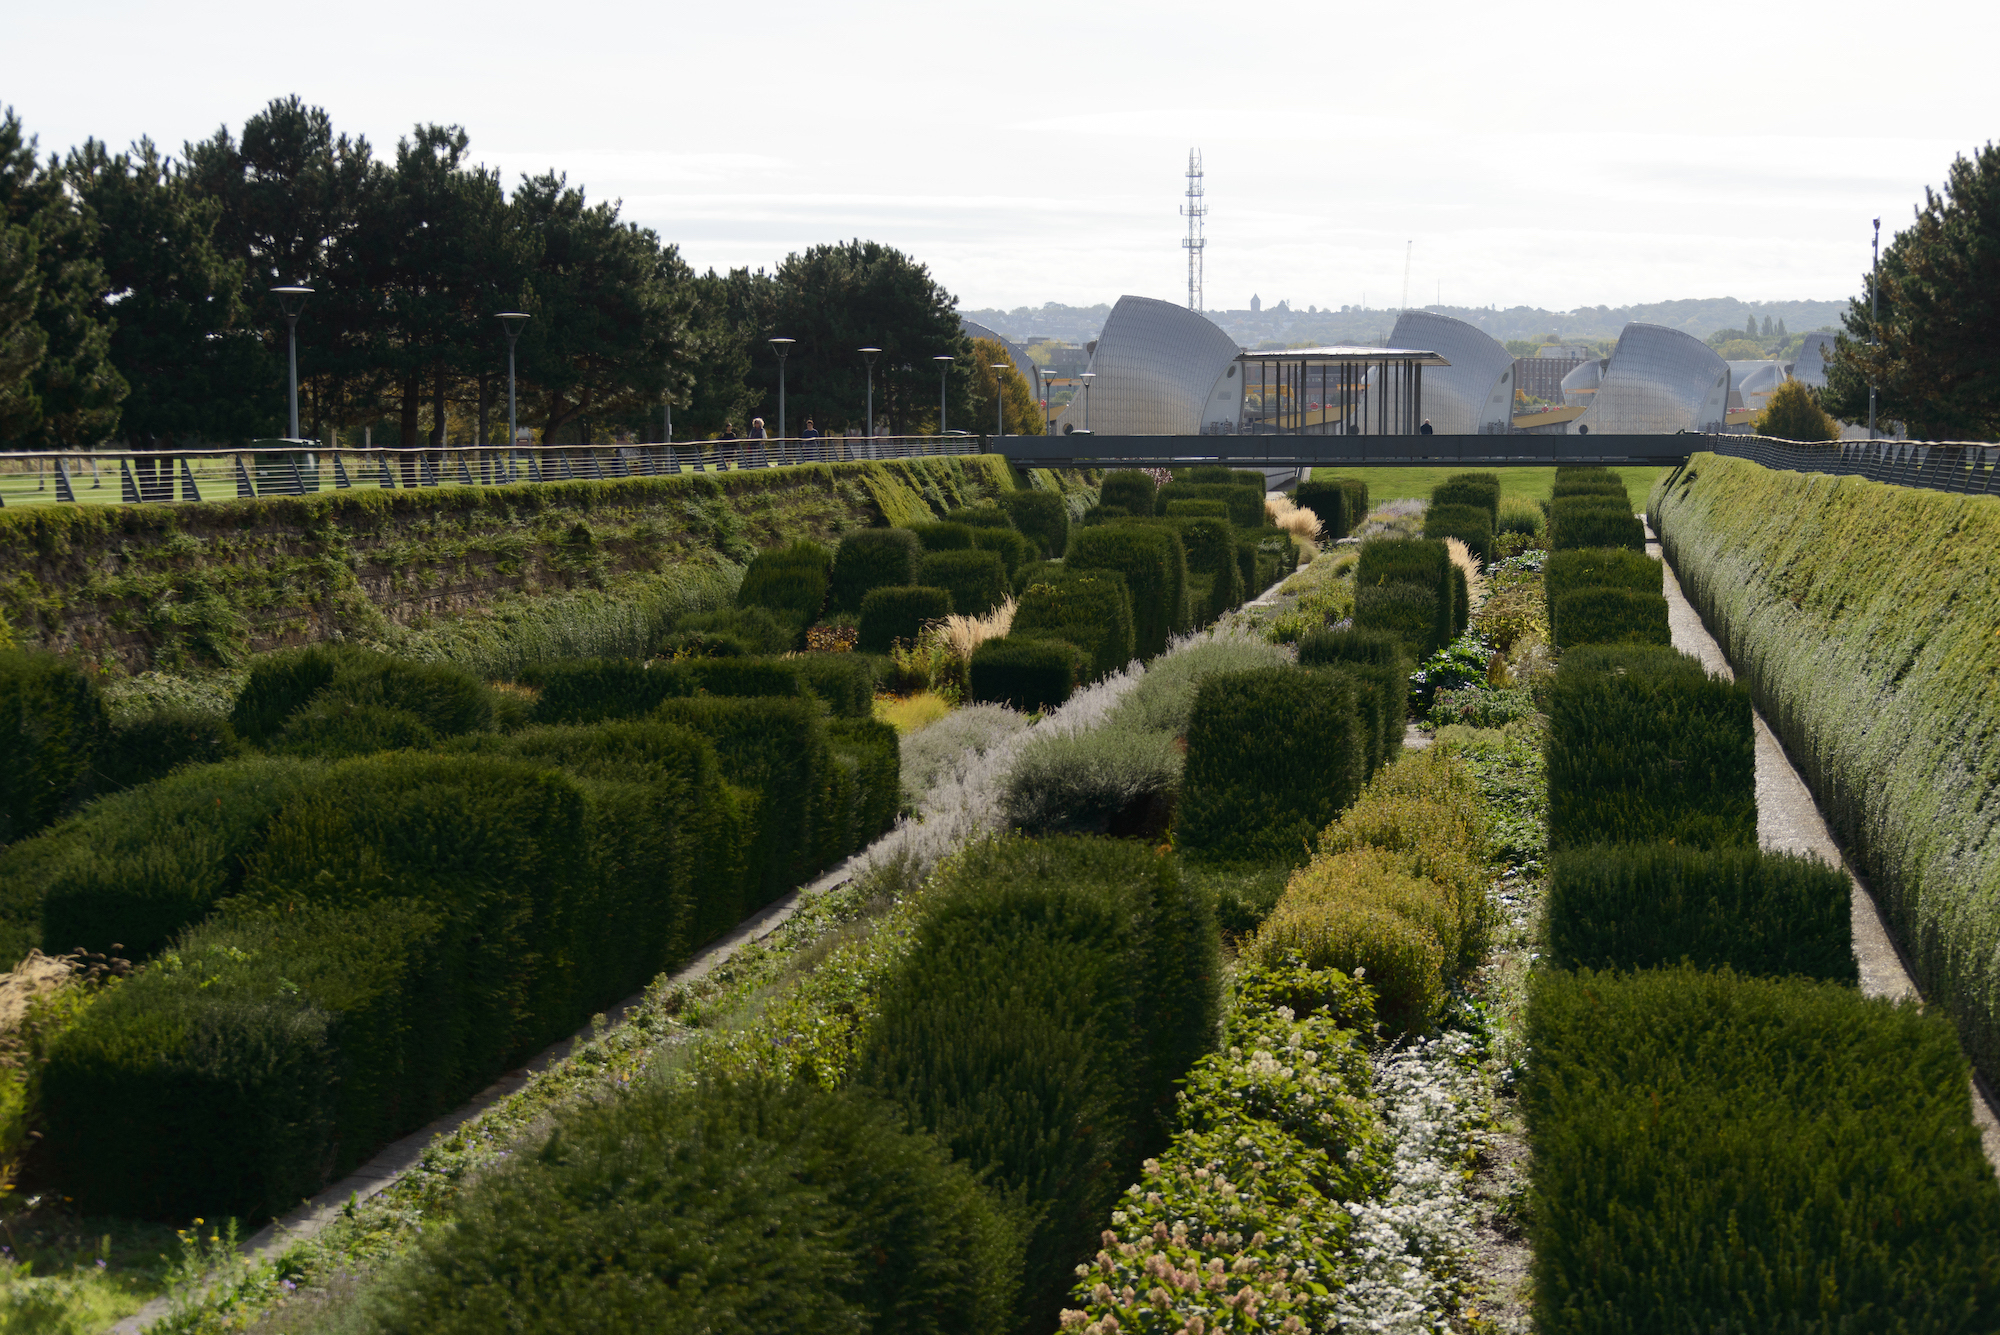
pixel 783 347
pixel 1000 398
pixel 1874 300
pixel 292 300
pixel 1086 378
pixel 943 366
pixel 869 355
pixel 511 321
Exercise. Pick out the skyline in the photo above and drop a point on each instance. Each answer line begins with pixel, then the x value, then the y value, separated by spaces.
pixel 1047 166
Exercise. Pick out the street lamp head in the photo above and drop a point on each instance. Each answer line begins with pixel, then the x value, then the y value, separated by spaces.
pixel 942 358
pixel 291 300
pixel 869 355
pixel 782 346
pixel 513 321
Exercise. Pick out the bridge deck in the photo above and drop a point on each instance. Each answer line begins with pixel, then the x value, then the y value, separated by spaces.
pixel 1347 451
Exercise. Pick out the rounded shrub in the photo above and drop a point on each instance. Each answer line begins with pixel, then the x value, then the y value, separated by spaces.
pixel 53 722
pixel 1031 674
pixel 871 558
pixel 976 580
pixel 1092 609
pixel 792 580
pixel 280 683
pixel 149 746
pixel 1013 550
pixel 1378 933
pixel 1131 489
pixel 1154 565
pixel 943 537
pixel 899 613
pixel 1041 516
pixel 335 729
pixel 980 516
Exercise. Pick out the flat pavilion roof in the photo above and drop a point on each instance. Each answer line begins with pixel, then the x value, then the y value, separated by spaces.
pixel 1411 356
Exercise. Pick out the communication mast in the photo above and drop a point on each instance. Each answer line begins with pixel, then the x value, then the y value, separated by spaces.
pixel 1194 211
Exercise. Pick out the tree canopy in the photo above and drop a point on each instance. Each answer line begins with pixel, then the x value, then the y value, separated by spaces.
pixel 1793 413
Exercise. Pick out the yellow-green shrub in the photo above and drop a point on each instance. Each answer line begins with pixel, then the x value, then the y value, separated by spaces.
pixel 1373 926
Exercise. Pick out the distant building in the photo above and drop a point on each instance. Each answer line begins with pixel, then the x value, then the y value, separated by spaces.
pixel 1158 369
pixel 1474 395
pixel 1658 381
pixel 1810 368
pixel 1541 377
pixel 1563 352
pixel 1255 304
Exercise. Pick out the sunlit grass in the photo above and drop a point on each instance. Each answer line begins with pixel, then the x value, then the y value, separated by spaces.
pixel 1389 484
pixel 911 713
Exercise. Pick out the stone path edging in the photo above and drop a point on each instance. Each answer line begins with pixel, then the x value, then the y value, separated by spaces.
pixel 1789 820
pixel 399 1157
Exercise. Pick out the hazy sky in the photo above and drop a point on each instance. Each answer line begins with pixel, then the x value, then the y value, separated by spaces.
pixel 1556 155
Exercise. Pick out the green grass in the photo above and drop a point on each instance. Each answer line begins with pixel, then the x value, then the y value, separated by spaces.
pixel 1390 484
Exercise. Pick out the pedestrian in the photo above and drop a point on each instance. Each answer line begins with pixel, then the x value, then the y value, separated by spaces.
pixel 728 431
pixel 757 429
pixel 1425 429
pixel 811 432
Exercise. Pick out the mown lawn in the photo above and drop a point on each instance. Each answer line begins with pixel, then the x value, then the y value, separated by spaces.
pixel 1388 484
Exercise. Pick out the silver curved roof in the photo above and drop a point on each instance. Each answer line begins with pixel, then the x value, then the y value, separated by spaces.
pixel 1810 369
pixel 1659 381
pixel 1755 380
pixel 1015 353
pixel 1579 387
pixel 1475 394
pixel 1159 370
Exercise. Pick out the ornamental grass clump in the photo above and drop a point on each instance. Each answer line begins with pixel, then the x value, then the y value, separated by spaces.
pixel 1719 1152
pixel 1641 906
pixel 1283 512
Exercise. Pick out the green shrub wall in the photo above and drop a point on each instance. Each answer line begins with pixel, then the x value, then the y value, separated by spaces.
pixel 1601 568
pixel 1470 524
pixel 1721 1153
pixel 1479 490
pixel 1328 500
pixel 1092 609
pixel 873 558
pixel 53 722
pixel 1130 489
pixel 1027 672
pixel 976 580
pixel 1246 504
pixel 1040 516
pixel 791 579
pixel 1608 616
pixel 1154 565
pixel 1273 755
pixel 1861 617
pixel 899 612
pixel 1583 521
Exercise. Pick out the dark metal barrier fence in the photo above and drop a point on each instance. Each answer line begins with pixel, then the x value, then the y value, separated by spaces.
pixel 297 467
pixel 1940 465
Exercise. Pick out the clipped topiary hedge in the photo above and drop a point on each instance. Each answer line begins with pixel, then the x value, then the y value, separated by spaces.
pixel 1410 612
pixel 1418 561
pixel 872 558
pixel 845 681
pixel 1601 568
pixel 1608 616
pixel 1584 521
pixel 1374 647
pixel 1273 755
pixel 1013 550
pixel 1154 565
pixel 1030 673
pixel 1246 504
pixel 792 579
pixel 976 580
pixel 1470 524
pixel 1479 490
pixel 1642 906
pixel 149 746
pixel 1328 501
pixel 980 516
pixel 280 683
pixel 1715 1152
pixel 1131 489
pixel 1645 746
pixel 943 537
pixel 1197 510
pixel 899 612
pixel 1092 609
pixel 1040 516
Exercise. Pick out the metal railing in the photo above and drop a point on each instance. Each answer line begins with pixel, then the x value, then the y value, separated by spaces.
pixel 1938 465
pixel 301 467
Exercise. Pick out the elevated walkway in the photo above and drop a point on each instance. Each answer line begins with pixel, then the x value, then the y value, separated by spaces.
pixel 1281 451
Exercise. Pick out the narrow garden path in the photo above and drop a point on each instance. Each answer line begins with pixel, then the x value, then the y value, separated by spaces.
pixel 1788 820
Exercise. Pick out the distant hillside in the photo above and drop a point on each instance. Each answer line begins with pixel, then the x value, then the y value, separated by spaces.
pixel 1700 316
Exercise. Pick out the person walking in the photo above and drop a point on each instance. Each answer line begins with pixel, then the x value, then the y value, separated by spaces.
pixel 759 455
pixel 1425 429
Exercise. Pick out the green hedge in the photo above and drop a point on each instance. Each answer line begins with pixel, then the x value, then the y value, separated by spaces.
pixel 1479 490
pixel 718 1207
pixel 845 681
pixel 1356 492
pixel 1040 516
pixel 1210 474
pixel 1154 565
pixel 353 696
pixel 1410 612
pixel 1582 521
pixel 1092 609
pixel 1608 616
pixel 1197 510
pixel 337 729
pixel 53 723
pixel 731 634
pixel 152 745
pixel 1328 500
pixel 976 580
pixel 980 516
pixel 872 749
pixel 1246 504
pixel 1273 755
pixel 899 612
pixel 1860 615
pixel 1130 489
pixel 872 558
pixel 790 579
pixel 1030 673
pixel 140 866
pixel 1719 1153
pixel 1601 568
pixel 1053 993
pixel 1645 746
pixel 778 747
pixel 1418 561
pixel 1013 550
pixel 1470 524
pixel 280 683
pixel 1381 704
pixel 943 537
pixel 589 691
pixel 1637 906
pixel 1209 545
pixel 1374 647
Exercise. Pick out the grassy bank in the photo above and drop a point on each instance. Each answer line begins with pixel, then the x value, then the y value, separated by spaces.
pixel 1528 484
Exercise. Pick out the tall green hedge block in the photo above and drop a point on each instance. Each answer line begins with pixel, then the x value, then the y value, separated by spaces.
pixel 1374 647
pixel 1600 568
pixel 1197 510
pixel 1644 746
pixel 1154 565
pixel 872 748
pixel 1470 524
pixel 1355 490
pixel 140 866
pixel 1210 547
pixel 1410 612
pixel 1130 489
pixel 943 537
pixel 1645 906
pixel 1586 522
pixel 845 681
pixel 732 633
pixel 1721 1153
pixel 53 722
pixel 152 745
pixel 872 558
pixel 1027 672
pixel 1273 755
pixel 332 728
pixel 718 1207
pixel 980 516
pixel 1246 504
pixel 1013 550
pixel 1611 487
pixel 1053 993
pixel 899 612
pixel 1608 616
pixel 280 683
pixel 1461 601
pixel 590 690
pixel 778 748
pixel 790 579
pixel 259 1060
pixel 357 695
pixel 1328 501
pixel 1092 609
pixel 1040 516
pixel 1413 561
pixel 976 580
pixel 1381 705
pixel 1479 490
pixel 1210 474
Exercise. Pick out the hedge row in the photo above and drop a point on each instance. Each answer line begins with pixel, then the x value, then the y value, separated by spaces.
pixel 871 558
pixel 1719 1152
pixel 900 612
pixel 1594 521
pixel 1470 524
pixel 1245 503
pixel 1092 609
pixel 793 580
pixel 1129 489
pixel 1478 490
pixel 1154 564
pixel 1030 673
pixel 1041 517
pixel 1406 587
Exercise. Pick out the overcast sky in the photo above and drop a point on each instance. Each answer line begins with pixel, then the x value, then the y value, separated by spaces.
pixel 1553 155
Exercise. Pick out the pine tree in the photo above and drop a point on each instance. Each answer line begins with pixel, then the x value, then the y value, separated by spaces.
pixel 21 339
pixel 1781 328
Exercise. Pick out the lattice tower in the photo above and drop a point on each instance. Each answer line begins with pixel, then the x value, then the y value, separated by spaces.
pixel 1194 211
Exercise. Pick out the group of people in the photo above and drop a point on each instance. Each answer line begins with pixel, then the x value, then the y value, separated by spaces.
pixel 757 431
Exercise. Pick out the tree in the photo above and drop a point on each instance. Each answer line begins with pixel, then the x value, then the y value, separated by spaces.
pixel 1741 350
pixel 75 387
pixel 194 371
pixel 711 386
pixel 1023 415
pixel 1793 413
pixel 21 339
pixel 1933 350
